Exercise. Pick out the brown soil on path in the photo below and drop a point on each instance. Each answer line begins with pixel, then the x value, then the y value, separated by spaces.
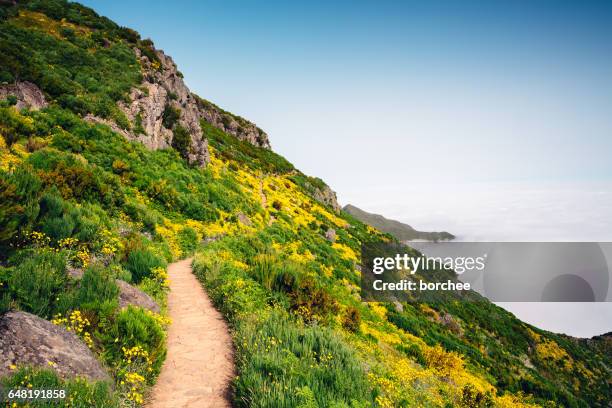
pixel 199 366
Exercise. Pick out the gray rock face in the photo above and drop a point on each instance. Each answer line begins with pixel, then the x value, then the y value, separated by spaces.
pixel 161 88
pixel 164 87
pixel 327 196
pixel 330 235
pixel 129 295
pixel 26 339
pixel 149 102
pixel 232 124
pixel 28 95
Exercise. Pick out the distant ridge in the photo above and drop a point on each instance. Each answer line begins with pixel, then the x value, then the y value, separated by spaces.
pixel 401 231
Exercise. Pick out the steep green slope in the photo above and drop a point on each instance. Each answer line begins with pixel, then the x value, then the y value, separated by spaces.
pixel 400 231
pixel 75 194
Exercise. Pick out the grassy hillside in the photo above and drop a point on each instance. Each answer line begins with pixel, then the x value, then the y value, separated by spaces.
pixel 77 195
pixel 400 231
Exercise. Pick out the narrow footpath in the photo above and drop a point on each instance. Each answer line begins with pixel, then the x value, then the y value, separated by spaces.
pixel 199 366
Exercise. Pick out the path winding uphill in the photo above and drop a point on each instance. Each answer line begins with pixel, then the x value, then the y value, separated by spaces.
pixel 199 366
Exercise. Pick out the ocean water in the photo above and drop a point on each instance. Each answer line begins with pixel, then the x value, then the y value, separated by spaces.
pixel 522 212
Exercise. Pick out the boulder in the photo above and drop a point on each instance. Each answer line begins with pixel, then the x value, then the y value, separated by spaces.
pixel 27 94
pixel 26 339
pixel 330 235
pixel 327 196
pixel 130 295
pixel 446 319
pixel 244 219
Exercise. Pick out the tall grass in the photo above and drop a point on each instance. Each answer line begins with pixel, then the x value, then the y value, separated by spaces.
pixel 140 262
pixel 286 364
pixel 79 392
pixel 36 283
pixel 282 361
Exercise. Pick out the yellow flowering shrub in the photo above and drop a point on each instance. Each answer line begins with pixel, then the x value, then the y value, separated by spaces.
pixel 77 323
pixel 168 232
pixel 7 158
pixel 345 251
pixel 378 309
pixel 132 386
pixel 382 336
pixel 548 351
pixel 33 19
pixel 163 321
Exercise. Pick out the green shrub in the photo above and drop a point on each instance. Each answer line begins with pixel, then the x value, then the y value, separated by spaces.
pixel 188 240
pixel 51 205
pixel 18 206
pixel 119 272
pixel 5 296
pixel 264 271
pixel 120 167
pixel 5 302
pixel 140 329
pixel 11 100
pixel 137 328
pixel 142 213
pixel 14 126
pixel 75 179
pixel 97 286
pixel 300 358
pixel 352 319
pixel 80 392
pixel 36 283
pixel 140 262
pixel 57 228
pixel 181 141
pixel 307 296
pixel 170 116
pixel 86 230
pixel 138 128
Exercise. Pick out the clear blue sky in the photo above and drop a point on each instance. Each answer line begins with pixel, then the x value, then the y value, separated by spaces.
pixel 455 91
pixel 399 105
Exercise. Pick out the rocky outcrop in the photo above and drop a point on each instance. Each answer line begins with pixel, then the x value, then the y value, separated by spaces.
pixel 27 95
pixel 330 235
pixel 232 124
pixel 163 105
pixel 163 91
pixel 28 340
pixel 327 196
pixel 447 320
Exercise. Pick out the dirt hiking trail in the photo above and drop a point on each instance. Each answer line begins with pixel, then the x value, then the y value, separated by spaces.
pixel 199 366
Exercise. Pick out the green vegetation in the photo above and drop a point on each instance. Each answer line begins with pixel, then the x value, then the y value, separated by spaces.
pixel 181 141
pixel 77 196
pixel 84 394
pixel 170 116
